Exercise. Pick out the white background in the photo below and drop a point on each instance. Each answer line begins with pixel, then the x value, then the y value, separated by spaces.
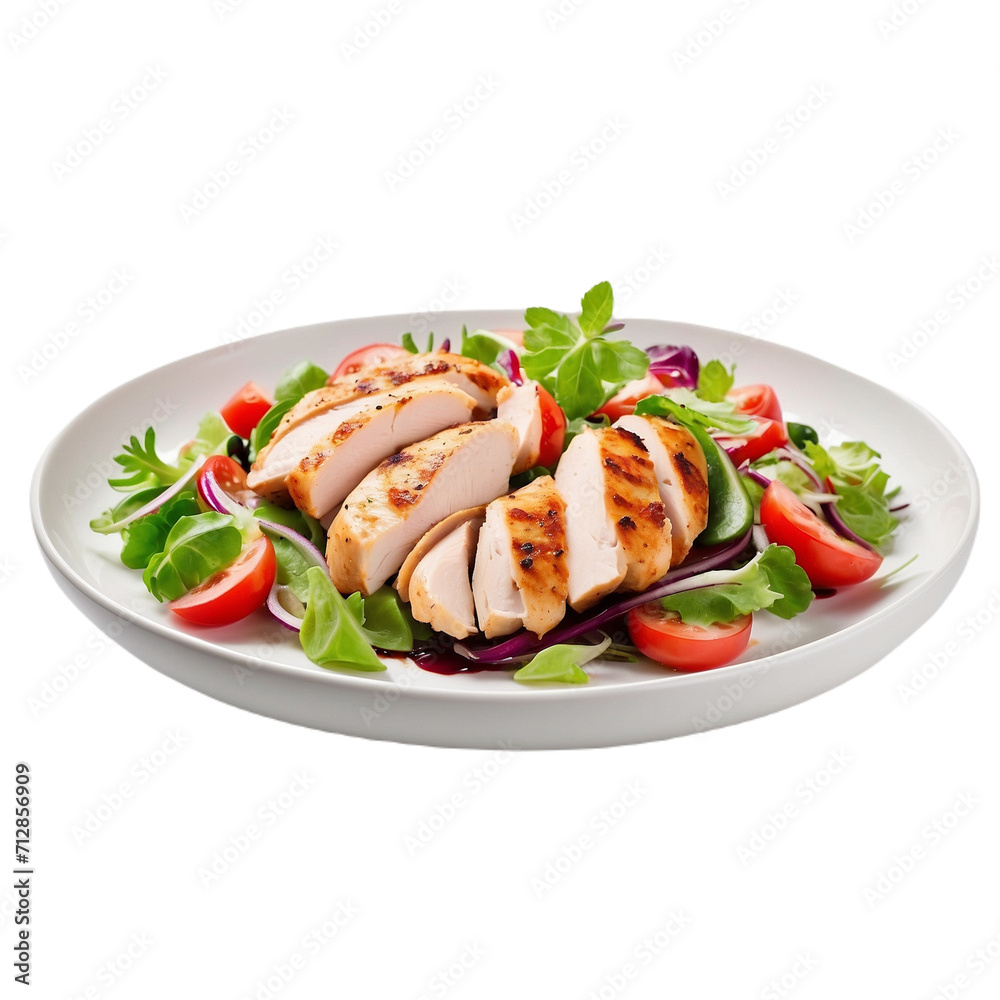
pixel 794 916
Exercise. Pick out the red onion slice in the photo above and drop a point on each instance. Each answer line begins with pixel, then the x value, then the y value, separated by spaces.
pixel 157 502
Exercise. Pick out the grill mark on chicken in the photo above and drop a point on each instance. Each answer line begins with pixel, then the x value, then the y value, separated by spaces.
pixel 632 438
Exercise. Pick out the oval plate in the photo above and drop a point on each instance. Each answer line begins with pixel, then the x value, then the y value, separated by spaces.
pixel 258 665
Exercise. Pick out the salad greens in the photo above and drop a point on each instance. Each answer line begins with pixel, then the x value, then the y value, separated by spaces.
pixel 291 387
pixel 212 434
pixel 853 470
pixel 331 634
pixel 772 580
pixel 195 547
pixel 574 360
pixel 714 381
pixel 147 536
pixel 485 346
pixel 142 467
pixel 411 345
pixel 562 664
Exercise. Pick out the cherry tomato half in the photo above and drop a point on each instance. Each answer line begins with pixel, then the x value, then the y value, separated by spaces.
pixel 757 401
pixel 766 436
pixel 242 413
pixel 624 402
pixel 553 429
pixel 234 592
pixel 829 559
pixel 229 475
pixel 365 357
pixel 663 637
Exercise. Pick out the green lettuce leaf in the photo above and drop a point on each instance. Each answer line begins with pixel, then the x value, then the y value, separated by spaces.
pixel 560 664
pixel 195 547
pixel 714 381
pixel 212 434
pixel 860 484
pixel 330 634
pixel 147 536
pixel 772 580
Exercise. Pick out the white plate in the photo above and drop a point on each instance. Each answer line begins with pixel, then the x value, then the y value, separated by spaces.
pixel 257 665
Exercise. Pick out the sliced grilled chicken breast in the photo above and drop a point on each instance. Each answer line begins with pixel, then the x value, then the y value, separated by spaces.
pixel 596 559
pixel 439 590
pixel 429 539
pixel 275 461
pixel 682 476
pixel 385 515
pixel 632 500
pixel 520 576
pixel 478 380
pixel 389 422
pixel 617 532
pixel 519 405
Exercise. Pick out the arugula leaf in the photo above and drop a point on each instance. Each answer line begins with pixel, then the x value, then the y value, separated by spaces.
pixel 142 466
pixel 772 580
pixel 714 381
pixel 561 664
pixel 330 634
pixel 574 360
pixel 212 434
pixel 485 346
pixel 861 485
pixel 145 537
pixel 297 381
pixel 195 547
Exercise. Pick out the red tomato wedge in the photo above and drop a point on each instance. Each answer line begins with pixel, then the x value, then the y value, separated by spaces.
pixel 553 429
pixel 624 402
pixel 234 592
pixel 756 401
pixel 372 354
pixel 663 637
pixel 242 413
pixel 229 475
pixel 766 436
pixel 829 559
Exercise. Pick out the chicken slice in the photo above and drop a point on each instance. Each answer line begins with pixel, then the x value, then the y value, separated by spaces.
pixel 430 538
pixel 596 560
pixel 275 461
pixel 682 475
pixel 338 462
pixel 385 515
pixel 519 405
pixel 520 576
pixel 618 536
pixel 439 590
pixel 480 381
pixel 632 500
